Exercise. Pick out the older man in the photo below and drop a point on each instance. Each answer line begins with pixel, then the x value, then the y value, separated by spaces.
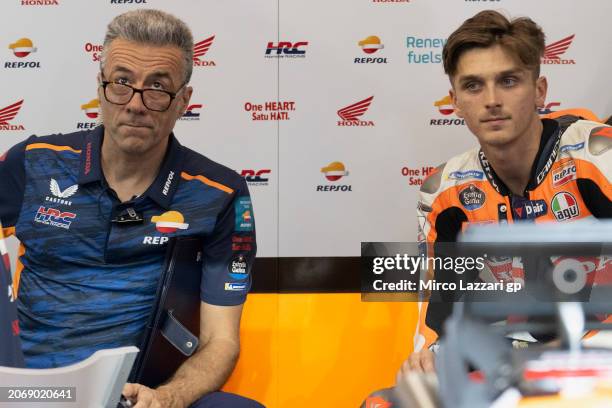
pixel 94 210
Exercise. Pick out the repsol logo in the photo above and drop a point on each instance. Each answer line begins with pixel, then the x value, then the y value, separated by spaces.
pixel 22 64
pixel 168 183
pixel 341 187
pixel 155 240
pixel 446 122
pixel 370 60
pixel 86 125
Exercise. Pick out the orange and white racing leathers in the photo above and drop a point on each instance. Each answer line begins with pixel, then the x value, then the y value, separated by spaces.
pixel 570 180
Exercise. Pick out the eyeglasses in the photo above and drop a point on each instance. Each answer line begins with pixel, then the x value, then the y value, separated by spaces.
pixel 153 99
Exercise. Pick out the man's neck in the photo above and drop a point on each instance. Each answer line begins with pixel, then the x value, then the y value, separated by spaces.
pixel 513 162
pixel 127 174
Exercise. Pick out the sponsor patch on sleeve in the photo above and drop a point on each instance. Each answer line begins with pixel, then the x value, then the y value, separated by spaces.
pixel 238 267
pixel 563 174
pixel 242 243
pixel 564 206
pixel 571 148
pixel 244 214
pixel 233 286
pixel 472 198
pixel 524 209
pixel 468 174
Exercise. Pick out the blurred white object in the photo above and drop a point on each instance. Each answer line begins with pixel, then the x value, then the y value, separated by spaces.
pixel 99 379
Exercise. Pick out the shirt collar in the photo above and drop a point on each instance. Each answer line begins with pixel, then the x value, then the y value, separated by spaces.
pixel 165 184
pixel 163 187
pixel 91 169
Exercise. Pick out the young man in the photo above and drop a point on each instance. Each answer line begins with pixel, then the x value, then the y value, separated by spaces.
pixel 94 210
pixel 526 168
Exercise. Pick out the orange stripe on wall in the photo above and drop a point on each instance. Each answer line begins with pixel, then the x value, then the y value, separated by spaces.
pixel 51 147
pixel 207 182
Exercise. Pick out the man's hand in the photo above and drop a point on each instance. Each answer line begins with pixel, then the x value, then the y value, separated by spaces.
pixel 145 397
pixel 418 362
pixel 206 370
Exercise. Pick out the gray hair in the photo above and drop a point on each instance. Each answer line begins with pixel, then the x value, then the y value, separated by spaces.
pixel 151 27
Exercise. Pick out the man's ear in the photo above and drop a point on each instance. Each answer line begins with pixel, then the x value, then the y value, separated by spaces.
pixel 99 89
pixel 453 97
pixel 184 99
pixel 541 90
pixel 101 98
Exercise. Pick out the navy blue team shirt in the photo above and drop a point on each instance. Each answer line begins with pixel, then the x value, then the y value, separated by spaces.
pixel 87 282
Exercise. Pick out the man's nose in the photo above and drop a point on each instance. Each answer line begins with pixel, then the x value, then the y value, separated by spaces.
pixel 136 104
pixel 492 97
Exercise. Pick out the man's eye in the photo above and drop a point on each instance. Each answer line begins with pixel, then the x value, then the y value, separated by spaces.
pixel 122 81
pixel 509 81
pixel 472 86
pixel 158 85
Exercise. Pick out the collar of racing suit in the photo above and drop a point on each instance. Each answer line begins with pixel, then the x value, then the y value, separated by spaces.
pixel 547 153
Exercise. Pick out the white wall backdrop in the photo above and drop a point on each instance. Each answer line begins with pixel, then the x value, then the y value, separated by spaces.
pixel 401 132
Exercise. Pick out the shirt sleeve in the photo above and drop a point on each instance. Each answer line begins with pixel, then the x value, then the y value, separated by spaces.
pixel 424 335
pixel 595 169
pixel 229 252
pixel 12 186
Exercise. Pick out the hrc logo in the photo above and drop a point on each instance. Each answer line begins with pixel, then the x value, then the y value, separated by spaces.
pixel 257 177
pixel 191 112
pixel 56 218
pixel 287 48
